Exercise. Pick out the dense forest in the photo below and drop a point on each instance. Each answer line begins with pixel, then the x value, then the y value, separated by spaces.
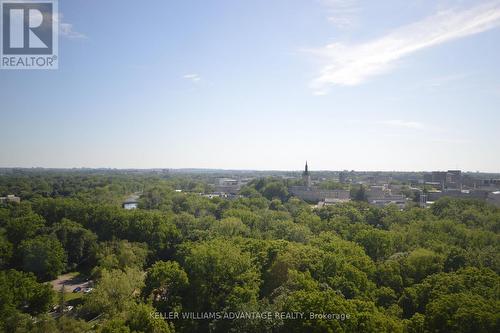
pixel 349 267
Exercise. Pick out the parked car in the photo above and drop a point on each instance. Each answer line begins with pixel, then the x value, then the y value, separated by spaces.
pixel 77 289
pixel 87 290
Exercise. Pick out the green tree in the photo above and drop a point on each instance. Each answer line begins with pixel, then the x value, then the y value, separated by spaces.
pixel 221 276
pixel 462 313
pixel 78 242
pixel 21 291
pixel 165 284
pixel 121 255
pixel 44 256
pixel 24 227
pixel 230 226
pixel 378 244
pixel 421 263
pixel 141 320
pixel 115 292
pixel 275 190
pixel 359 194
pixel 389 274
pixel 6 250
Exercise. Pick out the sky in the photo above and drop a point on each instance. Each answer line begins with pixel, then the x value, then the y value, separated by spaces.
pixel 262 85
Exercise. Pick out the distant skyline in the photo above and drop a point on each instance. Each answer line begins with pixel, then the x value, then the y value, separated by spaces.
pixel 231 171
pixel 262 85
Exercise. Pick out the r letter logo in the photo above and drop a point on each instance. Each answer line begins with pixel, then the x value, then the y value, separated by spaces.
pixel 29 34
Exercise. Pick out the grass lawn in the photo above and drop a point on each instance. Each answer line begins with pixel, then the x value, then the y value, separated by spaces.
pixel 72 296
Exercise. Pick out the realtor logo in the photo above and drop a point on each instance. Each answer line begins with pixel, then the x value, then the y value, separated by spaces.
pixel 29 34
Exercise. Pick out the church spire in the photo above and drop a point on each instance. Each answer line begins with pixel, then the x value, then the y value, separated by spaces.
pixel 306 176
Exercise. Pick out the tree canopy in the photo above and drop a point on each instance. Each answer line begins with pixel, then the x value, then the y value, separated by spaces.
pixel 350 267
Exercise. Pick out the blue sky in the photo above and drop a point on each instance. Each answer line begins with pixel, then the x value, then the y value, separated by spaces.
pixel 262 84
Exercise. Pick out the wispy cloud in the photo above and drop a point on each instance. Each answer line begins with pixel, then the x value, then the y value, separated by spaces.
pixel 192 77
pixel 342 13
pixel 66 29
pixel 402 124
pixel 350 65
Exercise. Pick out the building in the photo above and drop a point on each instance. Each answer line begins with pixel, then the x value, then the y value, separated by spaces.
pixel 436 178
pixel 451 179
pixel 488 184
pixel 398 200
pixel 214 195
pixel 131 202
pixel 454 179
pixel 311 193
pixel 128 205
pixel 10 198
pixel 227 182
pixel 494 198
pixel 491 182
pixel 331 202
pixel 315 194
pixel 377 191
pixel 228 186
pixel 381 195
pixel 454 193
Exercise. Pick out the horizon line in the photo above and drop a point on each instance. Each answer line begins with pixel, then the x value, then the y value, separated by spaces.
pixel 233 169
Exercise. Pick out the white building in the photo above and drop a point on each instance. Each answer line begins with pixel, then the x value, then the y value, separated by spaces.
pixel 10 198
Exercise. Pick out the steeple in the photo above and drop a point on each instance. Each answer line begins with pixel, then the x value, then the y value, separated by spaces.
pixel 306 176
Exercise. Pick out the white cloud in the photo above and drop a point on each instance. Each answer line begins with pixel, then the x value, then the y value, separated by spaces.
pixel 350 65
pixel 402 124
pixel 67 29
pixel 192 77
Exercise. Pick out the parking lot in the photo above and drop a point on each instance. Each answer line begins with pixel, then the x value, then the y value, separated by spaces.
pixel 70 282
